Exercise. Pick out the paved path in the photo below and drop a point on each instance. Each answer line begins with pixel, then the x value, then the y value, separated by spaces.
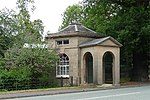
pixel 134 93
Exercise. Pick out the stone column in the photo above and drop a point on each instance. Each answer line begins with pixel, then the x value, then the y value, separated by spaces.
pixel 116 71
pixel 100 69
pixel 95 67
pixel 82 70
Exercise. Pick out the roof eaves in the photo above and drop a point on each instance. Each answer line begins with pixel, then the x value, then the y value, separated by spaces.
pixel 90 43
pixel 111 38
pixel 119 44
pixel 99 41
pixel 81 46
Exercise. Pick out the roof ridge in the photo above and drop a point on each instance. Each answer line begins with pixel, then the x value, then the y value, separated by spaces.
pixel 88 29
pixel 63 29
pixel 75 23
pixel 76 28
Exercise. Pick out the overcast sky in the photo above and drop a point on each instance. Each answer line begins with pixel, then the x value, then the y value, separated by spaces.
pixel 49 11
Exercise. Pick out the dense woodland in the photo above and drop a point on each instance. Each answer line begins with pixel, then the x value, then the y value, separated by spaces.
pixel 128 21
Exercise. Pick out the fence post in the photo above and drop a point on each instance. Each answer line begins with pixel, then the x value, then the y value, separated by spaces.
pixel 28 87
pixel 61 79
pixel 71 77
pixel 16 85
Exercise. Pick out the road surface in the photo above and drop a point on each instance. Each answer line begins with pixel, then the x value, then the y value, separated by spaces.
pixel 134 93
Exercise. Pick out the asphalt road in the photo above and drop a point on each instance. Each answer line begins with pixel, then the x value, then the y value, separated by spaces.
pixel 135 93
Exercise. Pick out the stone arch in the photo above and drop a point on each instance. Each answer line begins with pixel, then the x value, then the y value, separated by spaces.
pixel 88 63
pixel 108 67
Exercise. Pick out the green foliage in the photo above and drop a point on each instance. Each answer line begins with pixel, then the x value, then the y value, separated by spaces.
pixel 27 29
pixel 125 80
pixel 7 28
pixel 99 14
pixel 15 73
pixel 72 14
pixel 128 21
pixel 31 65
pixel 22 63
pixel 39 62
pixel 10 76
pixel 17 26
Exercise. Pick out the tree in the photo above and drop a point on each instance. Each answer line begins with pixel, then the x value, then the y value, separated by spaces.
pixel 22 62
pixel 14 26
pixel 7 29
pixel 72 14
pixel 25 27
pixel 128 21
pixel 38 64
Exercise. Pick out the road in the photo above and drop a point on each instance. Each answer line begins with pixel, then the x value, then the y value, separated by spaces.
pixel 134 93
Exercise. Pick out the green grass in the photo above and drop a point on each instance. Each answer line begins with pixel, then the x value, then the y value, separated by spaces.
pixel 36 90
pixel 124 80
pixel 46 89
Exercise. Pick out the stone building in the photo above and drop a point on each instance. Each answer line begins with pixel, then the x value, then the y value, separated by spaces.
pixel 86 57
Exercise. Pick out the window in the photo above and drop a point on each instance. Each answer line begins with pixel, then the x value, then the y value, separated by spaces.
pixel 61 42
pixel 66 41
pixel 63 66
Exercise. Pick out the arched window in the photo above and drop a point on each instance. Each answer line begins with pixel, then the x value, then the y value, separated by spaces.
pixel 63 66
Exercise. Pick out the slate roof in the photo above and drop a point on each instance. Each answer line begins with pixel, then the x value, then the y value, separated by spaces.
pixel 99 41
pixel 75 29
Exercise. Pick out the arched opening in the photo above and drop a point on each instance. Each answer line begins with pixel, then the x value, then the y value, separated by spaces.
pixel 108 68
pixel 89 67
pixel 63 66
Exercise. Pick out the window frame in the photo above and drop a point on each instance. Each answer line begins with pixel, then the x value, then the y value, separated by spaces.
pixel 62 68
pixel 59 42
pixel 62 42
pixel 66 41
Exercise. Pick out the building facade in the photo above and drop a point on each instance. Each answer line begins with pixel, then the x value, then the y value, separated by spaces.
pixel 85 57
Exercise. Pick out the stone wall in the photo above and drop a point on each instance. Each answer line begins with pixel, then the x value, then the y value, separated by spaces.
pixel 76 59
pixel 98 53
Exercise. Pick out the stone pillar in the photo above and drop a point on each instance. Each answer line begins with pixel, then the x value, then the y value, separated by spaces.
pixel 95 68
pixel 116 71
pixel 82 70
pixel 100 69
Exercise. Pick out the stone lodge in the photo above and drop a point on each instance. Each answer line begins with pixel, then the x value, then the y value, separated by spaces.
pixel 86 57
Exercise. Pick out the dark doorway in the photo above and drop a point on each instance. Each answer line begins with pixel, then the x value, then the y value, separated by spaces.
pixel 89 67
pixel 108 68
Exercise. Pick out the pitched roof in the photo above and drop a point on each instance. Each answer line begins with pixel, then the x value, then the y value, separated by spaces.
pixel 99 41
pixel 75 29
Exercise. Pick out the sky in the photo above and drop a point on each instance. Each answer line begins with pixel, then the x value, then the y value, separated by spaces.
pixel 49 11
